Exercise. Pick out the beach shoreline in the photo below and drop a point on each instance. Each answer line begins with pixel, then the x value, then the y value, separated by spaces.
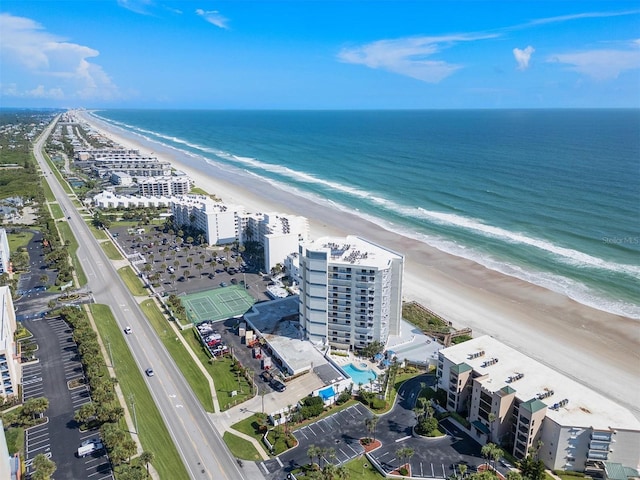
pixel 596 348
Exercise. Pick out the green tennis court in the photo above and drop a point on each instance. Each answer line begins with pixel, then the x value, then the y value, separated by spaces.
pixel 217 304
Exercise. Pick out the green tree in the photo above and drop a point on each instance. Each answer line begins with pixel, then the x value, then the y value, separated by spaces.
pixel 85 413
pixel 313 452
pixel 35 406
pixel 371 424
pixel 43 466
pixel 146 457
pixel 514 475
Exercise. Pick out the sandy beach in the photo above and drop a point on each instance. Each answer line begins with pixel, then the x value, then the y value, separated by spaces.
pixel 598 349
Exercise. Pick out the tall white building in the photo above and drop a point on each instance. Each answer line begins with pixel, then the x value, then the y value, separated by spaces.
pixel 5 254
pixel 516 401
pixel 350 292
pixel 279 234
pixel 10 370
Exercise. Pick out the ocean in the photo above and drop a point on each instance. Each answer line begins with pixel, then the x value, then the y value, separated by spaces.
pixel 549 196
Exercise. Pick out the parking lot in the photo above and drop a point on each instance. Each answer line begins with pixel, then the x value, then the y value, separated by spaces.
pixel 340 433
pixel 56 376
pixel 178 269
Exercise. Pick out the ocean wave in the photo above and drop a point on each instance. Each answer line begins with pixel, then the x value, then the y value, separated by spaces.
pixel 558 283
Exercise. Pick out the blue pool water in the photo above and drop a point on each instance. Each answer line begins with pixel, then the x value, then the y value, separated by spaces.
pixel 359 375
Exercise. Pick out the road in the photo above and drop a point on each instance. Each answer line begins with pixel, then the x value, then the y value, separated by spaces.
pixel 204 453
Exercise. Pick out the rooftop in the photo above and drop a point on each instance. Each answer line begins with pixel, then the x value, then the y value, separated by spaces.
pixel 568 402
pixel 277 322
pixel 353 250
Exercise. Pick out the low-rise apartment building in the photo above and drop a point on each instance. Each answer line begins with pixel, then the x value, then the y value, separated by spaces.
pixel 164 186
pixel 519 403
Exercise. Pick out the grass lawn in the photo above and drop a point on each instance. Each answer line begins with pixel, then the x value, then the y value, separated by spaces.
pixel 48 193
pixel 198 191
pixel 111 251
pixel 67 236
pixel 15 440
pixel 56 211
pixel 153 432
pixel 241 448
pixel 249 426
pixel 17 240
pixel 224 379
pixel 132 281
pixel 97 233
pixel 179 353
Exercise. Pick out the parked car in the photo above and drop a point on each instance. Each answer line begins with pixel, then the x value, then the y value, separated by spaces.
pixel 277 385
pixel 219 350
pixel 266 376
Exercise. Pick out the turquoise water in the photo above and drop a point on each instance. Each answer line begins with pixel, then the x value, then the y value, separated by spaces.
pixel 359 376
pixel 549 196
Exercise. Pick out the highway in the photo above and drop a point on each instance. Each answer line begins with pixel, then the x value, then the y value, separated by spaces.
pixel 204 454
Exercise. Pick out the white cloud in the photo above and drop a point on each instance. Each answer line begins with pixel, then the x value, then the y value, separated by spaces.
pixel 47 60
pixel 137 6
pixel 214 17
pixel 523 56
pixel 580 16
pixel 599 64
pixel 408 56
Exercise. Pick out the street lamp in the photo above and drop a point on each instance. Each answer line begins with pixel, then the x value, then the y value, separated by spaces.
pixel 133 407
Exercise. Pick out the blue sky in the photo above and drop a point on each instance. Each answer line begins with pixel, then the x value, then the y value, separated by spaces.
pixel 319 54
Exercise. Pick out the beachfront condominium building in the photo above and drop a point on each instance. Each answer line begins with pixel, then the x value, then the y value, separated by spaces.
pixel 218 221
pixel 4 251
pixel 279 234
pixel 350 292
pixel 10 371
pixel 164 186
pixel 111 200
pixel 517 402
pixel 136 166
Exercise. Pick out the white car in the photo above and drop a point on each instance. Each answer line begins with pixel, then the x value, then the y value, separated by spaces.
pixel 149 372
pixel 128 330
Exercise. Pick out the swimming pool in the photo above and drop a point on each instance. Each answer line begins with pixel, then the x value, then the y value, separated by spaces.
pixel 359 374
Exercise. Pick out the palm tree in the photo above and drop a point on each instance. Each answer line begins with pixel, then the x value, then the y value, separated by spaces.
pixel 44 467
pixel 371 424
pixel 463 469
pixel 491 452
pixel 146 458
pixel 312 452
